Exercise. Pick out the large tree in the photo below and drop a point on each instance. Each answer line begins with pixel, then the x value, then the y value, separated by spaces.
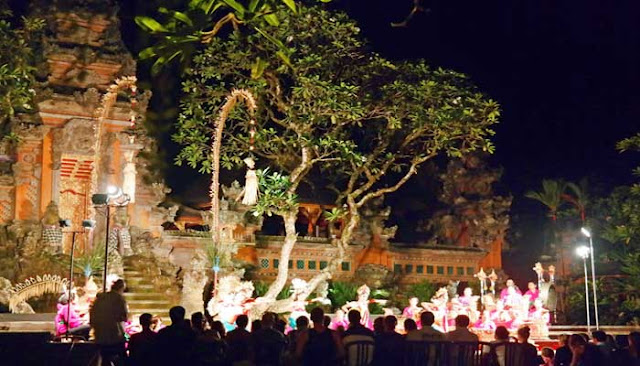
pixel 335 110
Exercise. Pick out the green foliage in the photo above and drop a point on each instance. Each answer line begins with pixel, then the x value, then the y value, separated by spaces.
pixel 342 292
pixel 335 214
pixel 17 66
pixel 550 196
pixel 285 293
pixel 631 144
pixel 274 194
pixel 182 33
pixel 423 290
pixel 260 288
pixel 90 262
pixel 356 116
pixel 618 218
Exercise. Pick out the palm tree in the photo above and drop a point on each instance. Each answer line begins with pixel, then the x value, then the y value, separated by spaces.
pixel 578 197
pixel 550 196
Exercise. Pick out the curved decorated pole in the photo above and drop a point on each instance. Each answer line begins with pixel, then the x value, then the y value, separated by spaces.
pixel 233 98
pixel 102 112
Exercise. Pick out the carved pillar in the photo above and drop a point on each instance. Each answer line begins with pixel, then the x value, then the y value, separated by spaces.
pixel 28 173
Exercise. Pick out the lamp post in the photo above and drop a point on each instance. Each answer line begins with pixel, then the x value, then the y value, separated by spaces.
pixel 86 224
pixel 114 197
pixel 587 233
pixel 583 252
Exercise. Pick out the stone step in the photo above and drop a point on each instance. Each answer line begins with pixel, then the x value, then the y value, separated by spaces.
pixel 158 303
pixel 133 281
pixel 142 286
pixel 133 273
pixel 151 310
pixel 134 296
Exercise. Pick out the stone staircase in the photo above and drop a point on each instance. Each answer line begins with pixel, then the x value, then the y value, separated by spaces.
pixel 143 295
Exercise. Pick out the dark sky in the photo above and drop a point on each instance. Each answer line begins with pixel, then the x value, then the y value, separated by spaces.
pixel 566 74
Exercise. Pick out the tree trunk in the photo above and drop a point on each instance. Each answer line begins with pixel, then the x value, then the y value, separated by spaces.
pixel 342 246
pixel 283 269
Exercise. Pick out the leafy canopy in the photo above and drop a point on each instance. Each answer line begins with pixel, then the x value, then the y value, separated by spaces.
pixel 333 106
pixel 17 66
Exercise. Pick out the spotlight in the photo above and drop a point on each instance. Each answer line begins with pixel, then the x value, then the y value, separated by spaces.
pixel 100 199
pixel 583 251
pixel 585 232
pixel 88 224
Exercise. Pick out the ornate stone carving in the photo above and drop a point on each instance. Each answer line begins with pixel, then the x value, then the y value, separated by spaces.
pixel 76 137
pixel 89 100
pixel 474 216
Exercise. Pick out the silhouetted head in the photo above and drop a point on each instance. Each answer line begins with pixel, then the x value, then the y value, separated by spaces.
pixel 176 314
pixel 242 321
pixel 354 316
pixel 326 321
pixel 390 323
pixel 462 321
pixel 427 318
pixel 197 320
pixel 302 323
pixel 268 320
pixel 523 334
pixel 410 324
pixel 145 320
pixel 501 333
pixel 118 286
pixel 378 325
pixel 599 336
pixel 317 316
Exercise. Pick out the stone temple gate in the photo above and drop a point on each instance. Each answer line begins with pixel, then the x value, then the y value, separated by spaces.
pixel 55 162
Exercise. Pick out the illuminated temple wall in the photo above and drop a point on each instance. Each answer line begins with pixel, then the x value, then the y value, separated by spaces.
pixel 54 159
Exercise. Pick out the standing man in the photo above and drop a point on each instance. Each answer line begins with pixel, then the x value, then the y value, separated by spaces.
pixel 108 314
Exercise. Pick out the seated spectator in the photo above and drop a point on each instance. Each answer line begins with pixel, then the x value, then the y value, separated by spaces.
pixel 634 347
pixel 268 343
pixel 378 325
pixel 547 356
pixel 302 324
pixel 209 348
pixel 256 325
pixel 500 336
pixel 357 332
pixel 319 345
pixel 427 332
pixel 528 353
pixel 583 353
pixel 74 324
pixel 600 340
pixel 389 347
pixel 141 345
pixel 219 329
pixel 410 325
pixel 461 333
pixel 174 343
pixel 280 325
pixel 326 321
pixel 563 353
pixel 239 342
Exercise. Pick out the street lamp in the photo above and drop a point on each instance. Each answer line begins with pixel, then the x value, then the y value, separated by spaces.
pixel 583 252
pixel 113 197
pixel 587 233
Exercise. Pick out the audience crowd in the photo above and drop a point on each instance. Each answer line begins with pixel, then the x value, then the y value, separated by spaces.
pixel 202 342
pixel 198 342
